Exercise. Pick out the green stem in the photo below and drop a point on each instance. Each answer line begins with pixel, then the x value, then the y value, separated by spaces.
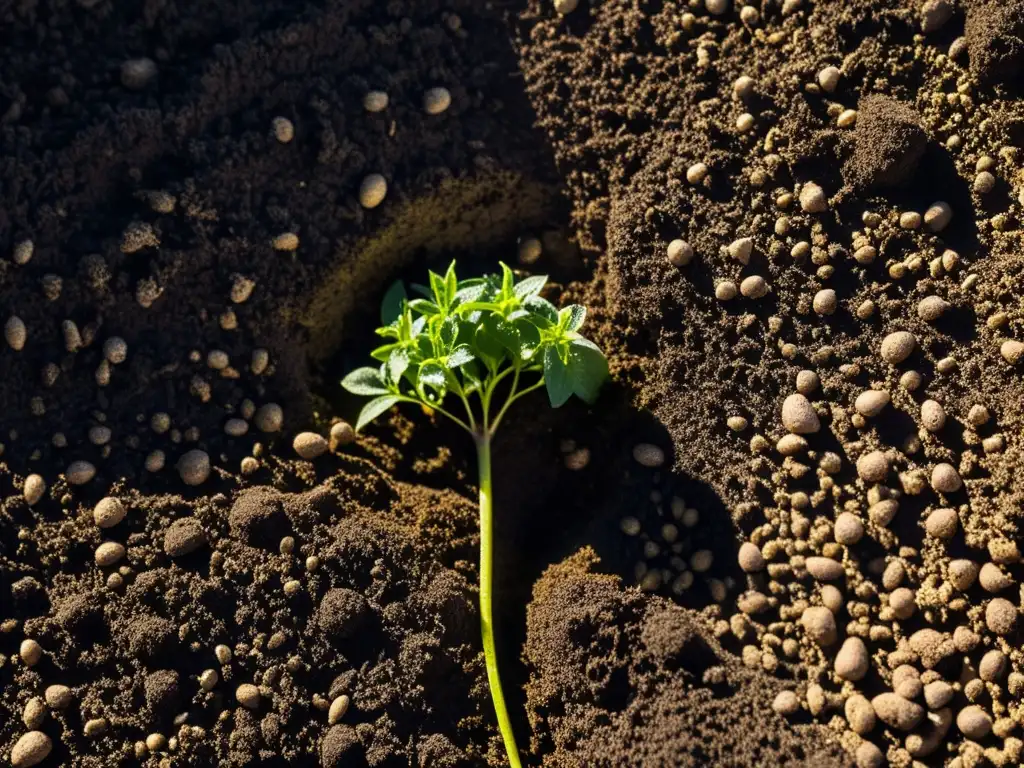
pixel 483 447
pixel 512 399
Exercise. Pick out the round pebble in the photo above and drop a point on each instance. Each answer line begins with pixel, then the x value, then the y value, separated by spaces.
pixel 436 100
pixel 824 568
pixel 31 749
pixel 962 574
pixel 80 472
pixel 22 253
pixel 859 714
pixel 136 74
pixel 342 434
pixel 109 553
pixel 820 624
pixel 852 661
pixel 898 346
pixel 873 467
pixel 1012 351
pixel 726 290
pixel 848 529
pixel 194 467
pixel 750 558
pixel 30 652
pixel 648 455
pixel 58 696
pixel 753 287
pixel 15 333
pixel 942 523
pixel 372 191
pixel 868 755
pixel 938 694
pixel 807 382
pixel 933 416
pixel 236 427
pixel 993 666
pixel 786 703
pixel 115 350
pixel 309 445
pixel 871 402
pixel 931 308
pixel 208 679
pixel 903 603
pixel 222 653
pixel 828 79
pixel 897 712
pixel 938 216
pixel 1000 616
pixel 974 722
pixel 269 418
pixel 286 241
pixel 798 416
pixel 564 7
pixel 812 198
pixel 696 173
pixel 824 302
pixel 680 253
pixel 945 478
pixel 338 709
pixel 375 101
pixel 33 490
pixel 248 695
pixel 865 255
pixel 283 129
pixel 882 512
pixel 992 578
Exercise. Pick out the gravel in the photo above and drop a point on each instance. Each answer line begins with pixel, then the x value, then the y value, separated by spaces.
pixel 248 695
pixel 852 662
pixel 798 416
pixel 436 100
pixel 34 489
pixel 897 712
pixel 269 418
pixel 820 625
pixel 31 749
pixel 898 346
pixel 194 467
pixel 309 445
pixel 372 191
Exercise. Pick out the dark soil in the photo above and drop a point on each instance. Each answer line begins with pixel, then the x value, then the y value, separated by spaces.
pixel 145 199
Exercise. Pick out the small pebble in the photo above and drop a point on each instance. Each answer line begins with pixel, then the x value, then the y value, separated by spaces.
pixel 938 694
pixel 807 382
pixel 1012 351
pixel 208 679
pixel 828 79
pixel 962 574
pixel 31 749
pixel 338 709
pixel 564 7
pixel 786 703
pixel 824 568
pixel 992 578
pixel 741 250
pixel 286 241
pixel 898 346
pixel 974 722
pixel 223 654
pixel 80 472
pixel 679 253
pixel 342 434
pixel 269 418
pixel 866 254
pixel 945 478
pixel 194 467
pixel 852 661
pixel 309 445
pixel 648 455
pixel 95 727
pixel 750 558
pixel 798 415
pixel 824 302
pixel 58 696
pixel 848 529
pixel 868 755
pixel 436 100
pixel 753 287
pixel 1000 616
pixel 248 695
pixel 34 489
pixel 935 14
pixel 859 714
pixel 820 624
pixel 931 308
pixel 871 402
pixel 283 129
pixel 136 74
pixel 897 712
pixel 743 87
pixel 933 416
pixel 22 253
pixel 15 333
pixel 109 553
pixel 375 101
pixel 726 290
pixel 938 216
pixel 984 183
pixel 847 118
pixel 34 713
pixel 873 467
pixel 30 652
pixel 942 523
pixel 993 666
pixel 812 198
pixel 530 250
pixel 372 191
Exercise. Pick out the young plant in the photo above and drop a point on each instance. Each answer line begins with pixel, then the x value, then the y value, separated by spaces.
pixel 480 344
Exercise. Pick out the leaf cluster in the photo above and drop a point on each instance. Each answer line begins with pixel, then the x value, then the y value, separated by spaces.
pixel 463 338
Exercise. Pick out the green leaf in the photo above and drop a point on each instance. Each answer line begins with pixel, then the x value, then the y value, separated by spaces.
pixel 391 305
pixel 556 378
pixel 398 363
pixel 542 309
pixel 375 408
pixel 507 334
pixel 571 318
pixel 461 355
pixel 469 293
pixel 451 283
pixel 588 369
pixel 424 307
pixel 449 332
pixel 507 282
pixel 471 376
pixel 365 381
pixel 487 347
pixel 529 338
pixel 434 376
pixel 388 331
pixel 417 326
pixel 531 286
pixel 382 354
pixel 439 289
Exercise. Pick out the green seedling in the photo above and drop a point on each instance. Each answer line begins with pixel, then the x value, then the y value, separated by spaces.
pixel 479 344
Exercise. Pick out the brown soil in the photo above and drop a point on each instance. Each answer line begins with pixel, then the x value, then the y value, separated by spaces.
pixel 579 130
